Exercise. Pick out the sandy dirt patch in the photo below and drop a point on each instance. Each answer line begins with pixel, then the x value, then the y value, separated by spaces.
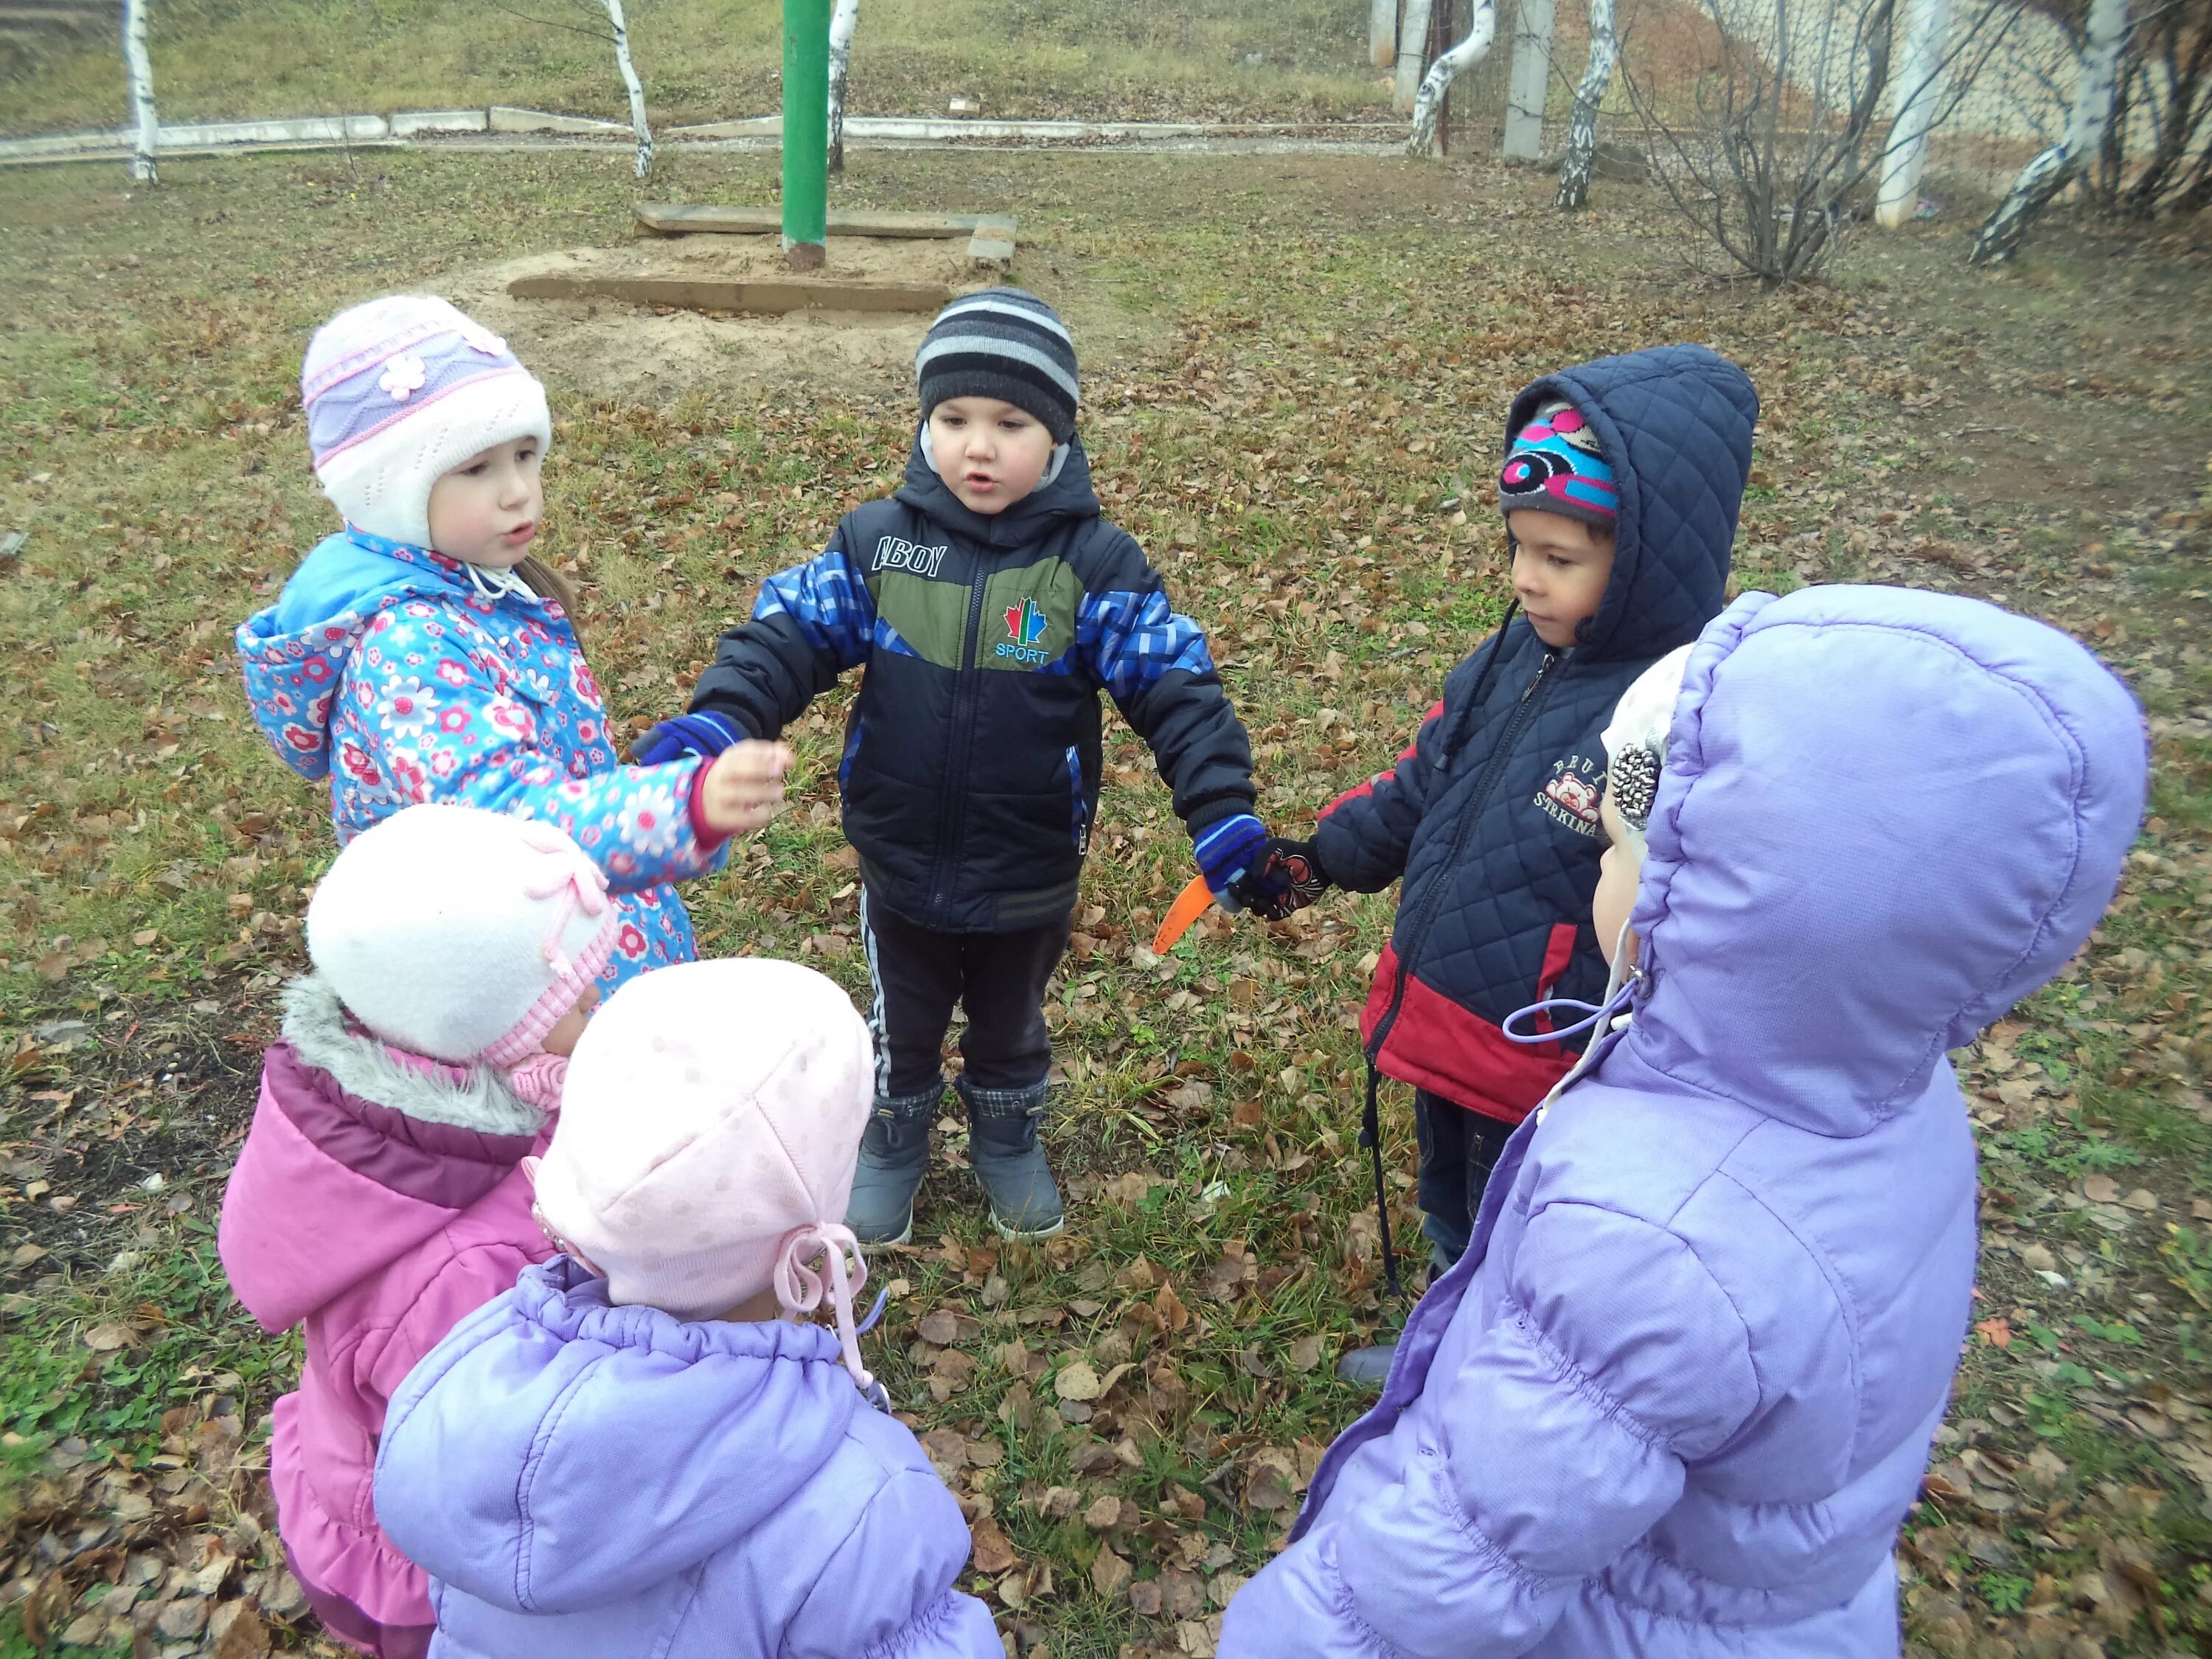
pixel 612 349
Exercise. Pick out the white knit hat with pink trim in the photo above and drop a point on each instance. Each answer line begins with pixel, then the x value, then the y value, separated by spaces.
pixel 461 935
pixel 707 1138
pixel 399 392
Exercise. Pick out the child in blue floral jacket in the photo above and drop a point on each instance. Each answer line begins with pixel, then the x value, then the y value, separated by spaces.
pixel 422 655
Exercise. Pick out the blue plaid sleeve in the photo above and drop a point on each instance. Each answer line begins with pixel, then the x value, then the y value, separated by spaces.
pixel 830 602
pixel 1128 641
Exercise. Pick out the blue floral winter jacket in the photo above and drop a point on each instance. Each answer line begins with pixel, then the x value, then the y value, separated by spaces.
pixel 383 669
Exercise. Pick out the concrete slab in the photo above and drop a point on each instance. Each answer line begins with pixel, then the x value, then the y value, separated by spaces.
pixel 506 118
pixel 758 126
pixel 304 130
pixel 62 145
pixel 758 296
pixel 405 123
pixel 506 127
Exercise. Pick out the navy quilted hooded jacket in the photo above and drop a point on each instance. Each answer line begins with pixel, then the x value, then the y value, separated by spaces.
pixel 1491 815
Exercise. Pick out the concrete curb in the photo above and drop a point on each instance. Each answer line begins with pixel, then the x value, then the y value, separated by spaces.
pixel 512 128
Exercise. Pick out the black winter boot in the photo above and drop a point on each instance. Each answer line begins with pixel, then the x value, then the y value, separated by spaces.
pixel 894 1152
pixel 1002 1147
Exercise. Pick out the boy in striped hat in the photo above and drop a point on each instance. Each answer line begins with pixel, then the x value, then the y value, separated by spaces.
pixel 991 604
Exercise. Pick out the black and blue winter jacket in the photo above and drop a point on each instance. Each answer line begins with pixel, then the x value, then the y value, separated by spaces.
pixel 970 769
pixel 1490 816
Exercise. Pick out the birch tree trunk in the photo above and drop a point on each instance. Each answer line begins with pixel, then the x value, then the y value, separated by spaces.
pixel 1528 83
pixel 634 86
pixel 146 125
pixel 1429 103
pixel 2050 173
pixel 1413 53
pixel 841 54
pixel 1382 33
pixel 1589 93
pixel 1918 90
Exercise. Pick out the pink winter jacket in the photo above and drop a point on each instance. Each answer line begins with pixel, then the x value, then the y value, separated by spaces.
pixel 377 1202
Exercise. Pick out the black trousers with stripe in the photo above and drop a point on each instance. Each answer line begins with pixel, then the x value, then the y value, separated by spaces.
pixel 919 975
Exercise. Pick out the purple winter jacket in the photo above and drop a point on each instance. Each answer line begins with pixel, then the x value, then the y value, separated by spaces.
pixel 585 1482
pixel 1677 1398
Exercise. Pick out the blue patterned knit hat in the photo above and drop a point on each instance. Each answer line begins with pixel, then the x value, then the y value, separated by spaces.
pixel 1554 465
pixel 1002 343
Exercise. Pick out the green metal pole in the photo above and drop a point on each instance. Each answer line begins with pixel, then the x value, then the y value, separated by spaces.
pixel 805 131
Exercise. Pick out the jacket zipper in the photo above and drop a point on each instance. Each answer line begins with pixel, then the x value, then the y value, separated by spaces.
pixel 952 793
pixel 852 752
pixel 1418 932
pixel 1081 828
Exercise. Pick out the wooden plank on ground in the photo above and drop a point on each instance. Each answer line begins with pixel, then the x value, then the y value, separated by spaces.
pixel 681 219
pixel 770 297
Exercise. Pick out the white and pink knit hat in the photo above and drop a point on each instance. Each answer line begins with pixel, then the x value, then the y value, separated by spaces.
pixel 708 1134
pixel 399 392
pixel 461 935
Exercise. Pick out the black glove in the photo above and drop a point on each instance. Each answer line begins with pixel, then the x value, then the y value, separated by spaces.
pixel 1284 876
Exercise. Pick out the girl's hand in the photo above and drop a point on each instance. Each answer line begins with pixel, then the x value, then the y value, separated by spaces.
pixel 744 788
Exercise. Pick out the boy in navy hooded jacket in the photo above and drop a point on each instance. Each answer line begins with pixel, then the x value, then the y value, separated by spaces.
pixel 1620 489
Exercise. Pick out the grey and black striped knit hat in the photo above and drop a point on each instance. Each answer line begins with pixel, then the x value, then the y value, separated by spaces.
pixel 1004 343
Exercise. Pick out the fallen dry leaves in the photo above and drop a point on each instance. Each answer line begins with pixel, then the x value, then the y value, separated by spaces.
pixel 1130 1416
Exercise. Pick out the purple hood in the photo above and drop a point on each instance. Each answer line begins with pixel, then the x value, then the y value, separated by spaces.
pixel 1886 817
pixel 589 1479
pixel 1678 1395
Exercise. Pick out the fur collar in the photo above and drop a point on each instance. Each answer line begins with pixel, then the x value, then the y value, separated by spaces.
pixel 315 1024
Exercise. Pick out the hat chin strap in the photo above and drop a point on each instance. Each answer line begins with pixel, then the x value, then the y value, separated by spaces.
pixel 497 582
pixel 539 1080
pixel 799 1288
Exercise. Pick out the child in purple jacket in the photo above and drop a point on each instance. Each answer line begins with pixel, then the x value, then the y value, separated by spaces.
pixel 1678 1394
pixel 641 1450
pixel 378 1197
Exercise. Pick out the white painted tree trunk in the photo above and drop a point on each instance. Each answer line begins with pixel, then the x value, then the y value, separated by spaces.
pixel 2050 173
pixel 634 86
pixel 1429 103
pixel 1589 93
pixel 145 124
pixel 1916 90
pixel 1382 33
pixel 841 22
pixel 1530 84
pixel 2101 79
pixel 1412 50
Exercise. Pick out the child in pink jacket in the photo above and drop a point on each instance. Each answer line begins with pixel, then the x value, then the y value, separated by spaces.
pixel 378 1199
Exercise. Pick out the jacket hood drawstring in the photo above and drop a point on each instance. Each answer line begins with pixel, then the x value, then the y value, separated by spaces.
pixel 1610 1013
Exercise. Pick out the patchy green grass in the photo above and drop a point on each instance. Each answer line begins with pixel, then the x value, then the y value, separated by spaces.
pixel 1301 60
pixel 1301 435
